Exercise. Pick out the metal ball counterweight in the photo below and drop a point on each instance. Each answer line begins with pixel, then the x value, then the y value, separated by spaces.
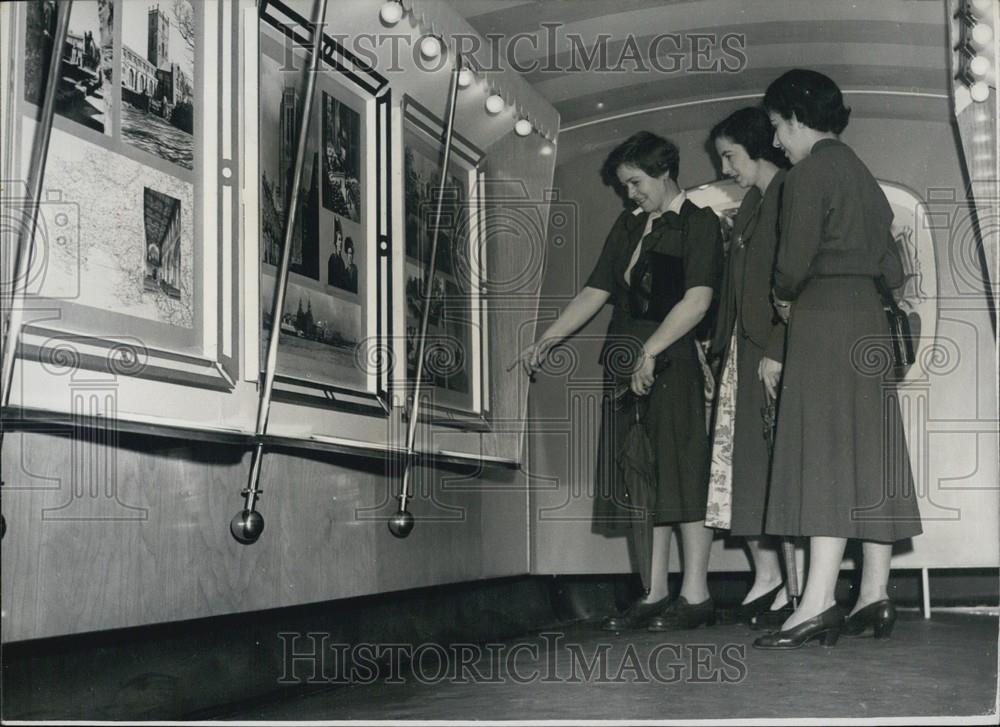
pixel 247 526
pixel 401 523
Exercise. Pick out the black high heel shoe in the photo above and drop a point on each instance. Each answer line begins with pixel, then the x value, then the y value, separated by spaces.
pixel 825 626
pixel 771 620
pixel 680 615
pixel 635 617
pixel 879 616
pixel 746 612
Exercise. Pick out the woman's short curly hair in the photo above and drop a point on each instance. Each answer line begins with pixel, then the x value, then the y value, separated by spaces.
pixel 750 128
pixel 645 150
pixel 814 99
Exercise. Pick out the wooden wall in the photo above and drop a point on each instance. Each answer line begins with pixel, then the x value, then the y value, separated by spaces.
pixel 102 536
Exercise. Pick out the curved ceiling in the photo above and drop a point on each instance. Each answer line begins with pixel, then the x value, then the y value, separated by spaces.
pixel 612 66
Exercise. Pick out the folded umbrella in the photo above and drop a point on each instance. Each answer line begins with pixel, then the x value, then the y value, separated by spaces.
pixel 637 470
pixel 768 413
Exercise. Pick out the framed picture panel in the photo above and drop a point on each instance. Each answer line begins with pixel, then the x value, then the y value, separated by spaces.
pixel 334 349
pixel 455 368
pixel 136 247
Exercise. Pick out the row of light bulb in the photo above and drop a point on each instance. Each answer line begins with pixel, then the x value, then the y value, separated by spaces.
pixel 431 47
pixel 982 41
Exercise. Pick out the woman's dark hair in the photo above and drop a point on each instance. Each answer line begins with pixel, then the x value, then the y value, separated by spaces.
pixel 813 98
pixel 751 129
pixel 651 153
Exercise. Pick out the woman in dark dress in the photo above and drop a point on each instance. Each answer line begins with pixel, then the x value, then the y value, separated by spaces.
pixel 840 468
pixel 658 361
pixel 751 341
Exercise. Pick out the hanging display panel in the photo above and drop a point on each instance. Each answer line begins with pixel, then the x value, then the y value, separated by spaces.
pixel 131 273
pixel 455 357
pixel 333 348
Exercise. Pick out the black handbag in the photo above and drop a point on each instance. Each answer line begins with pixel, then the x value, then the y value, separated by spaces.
pixel 900 332
pixel 656 285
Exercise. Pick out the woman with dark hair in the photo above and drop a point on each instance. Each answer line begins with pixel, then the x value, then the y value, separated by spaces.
pixel 659 267
pixel 752 341
pixel 840 467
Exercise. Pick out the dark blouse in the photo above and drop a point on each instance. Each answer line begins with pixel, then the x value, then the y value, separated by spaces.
pixel 700 250
pixel 835 220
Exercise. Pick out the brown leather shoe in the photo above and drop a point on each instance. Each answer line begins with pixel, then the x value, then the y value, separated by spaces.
pixel 681 615
pixel 635 617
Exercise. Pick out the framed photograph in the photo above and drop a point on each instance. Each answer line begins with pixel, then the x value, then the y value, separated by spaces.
pixel 135 251
pixel 454 367
pixel 157 73
pixel 334 345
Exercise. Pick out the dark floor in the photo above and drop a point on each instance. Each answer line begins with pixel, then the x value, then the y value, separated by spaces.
pixel 946 666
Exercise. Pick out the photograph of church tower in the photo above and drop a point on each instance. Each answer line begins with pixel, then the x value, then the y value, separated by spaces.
pixel 281 100
pixel 158 46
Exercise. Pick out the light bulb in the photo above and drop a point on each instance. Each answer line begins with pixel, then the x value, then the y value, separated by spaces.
pixel 494 104
pixel 430 47
pixel 391 12
pixel 982 34
pixel 979 66
pixel 522 127
pixel 979 91
pixel 465 78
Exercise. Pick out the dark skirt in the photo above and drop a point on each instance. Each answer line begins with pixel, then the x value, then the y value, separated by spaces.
pixel 840 466
pixel 750 456
pixel 675 424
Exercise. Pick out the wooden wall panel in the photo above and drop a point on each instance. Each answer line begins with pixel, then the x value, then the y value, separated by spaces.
pixel 160 549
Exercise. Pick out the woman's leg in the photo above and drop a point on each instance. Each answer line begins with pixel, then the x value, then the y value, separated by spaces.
pixel 825 557
pixel 696 544
pixel 766 566
pixel 874 573
pixel 658 589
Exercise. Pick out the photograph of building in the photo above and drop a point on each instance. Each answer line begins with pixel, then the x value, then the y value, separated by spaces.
pixel 279 93
pixel 157 77
pixel 162 219
pixel 84 89
pixel 341 158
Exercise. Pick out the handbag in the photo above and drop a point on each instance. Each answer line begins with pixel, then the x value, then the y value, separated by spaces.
pixel 900 333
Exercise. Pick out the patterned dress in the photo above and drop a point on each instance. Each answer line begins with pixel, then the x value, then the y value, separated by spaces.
pixel 746 331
